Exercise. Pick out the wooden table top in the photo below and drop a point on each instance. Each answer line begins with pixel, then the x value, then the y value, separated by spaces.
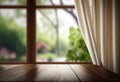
pixel 58 72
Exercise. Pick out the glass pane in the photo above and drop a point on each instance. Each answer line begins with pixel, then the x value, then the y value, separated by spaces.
pixel 12 2
pixel 56 31
pixel 55 2
pixel 12 35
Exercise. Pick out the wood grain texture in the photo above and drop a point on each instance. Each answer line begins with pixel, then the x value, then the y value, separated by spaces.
pixel 103 73
pixel 51 72
pixel 85 74
pixel 58 73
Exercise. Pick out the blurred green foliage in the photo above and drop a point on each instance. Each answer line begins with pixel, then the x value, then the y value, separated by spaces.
pixel 40 2
pixel 50 40
pixel 22 2
pixel 47 56
pixel 78 50
pixel 44 37
pixel 19 2
pixel 12 36
pixel 63 47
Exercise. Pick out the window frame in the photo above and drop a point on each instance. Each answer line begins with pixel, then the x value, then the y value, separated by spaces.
pixel 31 8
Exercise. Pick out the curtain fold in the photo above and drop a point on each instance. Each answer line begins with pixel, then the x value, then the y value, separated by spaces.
pixel 99 25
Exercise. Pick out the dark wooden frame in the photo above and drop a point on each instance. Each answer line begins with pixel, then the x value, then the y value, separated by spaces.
pixel 31 31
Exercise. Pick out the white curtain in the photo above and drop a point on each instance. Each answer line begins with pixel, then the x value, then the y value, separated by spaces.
pixel 99 24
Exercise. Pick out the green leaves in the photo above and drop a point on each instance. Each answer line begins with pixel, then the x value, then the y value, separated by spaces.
pixel 22 2
pixel 19 2
pixel 78 50
pixel 40 2
pixel 11 36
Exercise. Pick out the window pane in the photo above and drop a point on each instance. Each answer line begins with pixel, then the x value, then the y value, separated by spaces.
pixel 54 35
pixel 12 35
pixel 12 2
pixel 56 2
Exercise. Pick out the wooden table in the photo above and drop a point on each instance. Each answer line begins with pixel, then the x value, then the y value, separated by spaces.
pixel 58 72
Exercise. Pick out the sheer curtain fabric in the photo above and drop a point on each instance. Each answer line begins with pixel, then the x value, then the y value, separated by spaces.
pixel 99 21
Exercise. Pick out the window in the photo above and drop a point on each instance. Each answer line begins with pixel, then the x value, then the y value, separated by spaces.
pixel 13 35
pixel 52 42
pixel 13 31
pixel 34 21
